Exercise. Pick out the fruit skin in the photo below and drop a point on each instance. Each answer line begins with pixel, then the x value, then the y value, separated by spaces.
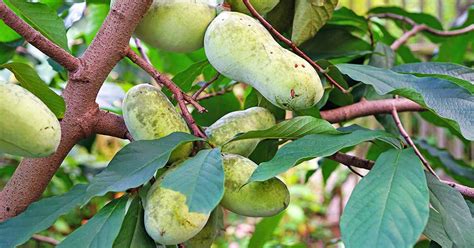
pixel 208 234
pixel 148 115
pixel 176 25
pixel 256 199
pixel 167 217
pixel 27 127
pixel 240 48
pixel 261 6
pixel 224 129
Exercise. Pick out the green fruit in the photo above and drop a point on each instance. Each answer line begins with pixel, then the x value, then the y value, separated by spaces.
pixel 229 125
pixel 261 6
pixel 149 115
pixel 256 199
pixel 27 127
pixel 167 217
pixel 240 48
pixel 208 234
pixel 176 25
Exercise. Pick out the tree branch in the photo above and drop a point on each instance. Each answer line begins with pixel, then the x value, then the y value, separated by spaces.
pixel 111 124
pixel 36 39
pixel 292 45
pixel 366 108
pixel 204 87
pixel 45 239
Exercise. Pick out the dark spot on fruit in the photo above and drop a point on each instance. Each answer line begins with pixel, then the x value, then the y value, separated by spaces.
pixel 162 232
pixel 292 93
pixel 303 66
pixel 296 65
pixel 249 25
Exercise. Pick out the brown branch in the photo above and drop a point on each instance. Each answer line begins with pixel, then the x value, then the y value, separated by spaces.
pixel 213 94
pixel 366 108
pixel 292 45
pixel 178 94
pixel 407 35
pixel 45 239
pixel 36 39
pixel 204 87
pixel 407 138
pixel 111 124
pixel 467 191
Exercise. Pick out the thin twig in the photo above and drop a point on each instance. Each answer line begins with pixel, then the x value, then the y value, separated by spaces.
pixel 293 46
pixel 178 94
pixel 405 135
pixel 354 171
pixel 213 94
pixel 407 35
pixel 145 57
pixel 45 239
pixel 204 87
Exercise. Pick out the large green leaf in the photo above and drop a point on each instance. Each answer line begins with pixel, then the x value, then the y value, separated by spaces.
pixel 101 230
pixel 8 34
pixel 39 216
pixel 309 147
pixel 390 206
pixel 186 78
pixel 42 18
pixel 443 97
pixel 136 163
pixel 434 230
pixel 264 230
pixel 30 80
pixel 346 17
pixel 310 16
pixel 200 178
pixel 455 214
pixel 133 233
pixel 291 129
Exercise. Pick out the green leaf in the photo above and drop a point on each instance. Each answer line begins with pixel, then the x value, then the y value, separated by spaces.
pixel 310 16
pixel 39 216
pixel 136 163
pixel 291 129
pixel 200 178
pixel 327 168
pixel 264 151
pixel 455 214
pixel 30 80
pixel 185 79
pixel 442 97
pixel 6 52
pixel 42 18
pixel 101 230
pixel 217 107
pixel 93 19
pixel 383 56
pixel 8 34
pixel 390 206
pixel 434 230
pixel 346 17
pixel 133 233
pixel 264 230
pixel 309 147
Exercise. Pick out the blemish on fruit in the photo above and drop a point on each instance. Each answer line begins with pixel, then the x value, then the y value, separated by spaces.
pixel 292 93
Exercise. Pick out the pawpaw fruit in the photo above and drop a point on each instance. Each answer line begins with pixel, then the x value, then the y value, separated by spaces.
pixel 27 127
pixel 168 220
pixel 176 25
pixel 261 6
pixel 229 125
pixel 148 115
pixel 240 48
pixel 208 234
pixel 256 199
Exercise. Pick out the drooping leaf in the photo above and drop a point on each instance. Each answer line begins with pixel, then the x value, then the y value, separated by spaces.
pixel 200 179
pixel 310 16
pixel 446 99
pixel 434 230
pixel 185 79
pixel 455 215
pixel 264 230
pixel 101 230
pixel 136 163
pixel 346 17
pixel 291 129
pixel 39 216
pixel 133 233
pixel 43 19
pixel 390 206
pixel 309 147
pixel 30 80
pixel 281 16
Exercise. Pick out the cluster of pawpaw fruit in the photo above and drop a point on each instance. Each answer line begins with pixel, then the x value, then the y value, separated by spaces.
pixel 236 45
pixel 149 115
pixel 27 127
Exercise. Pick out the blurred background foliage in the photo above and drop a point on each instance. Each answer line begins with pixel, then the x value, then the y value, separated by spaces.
pixel 319 189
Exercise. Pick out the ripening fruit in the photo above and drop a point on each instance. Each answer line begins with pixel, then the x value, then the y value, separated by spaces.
pixel 167 217
pixel 240 48
pixel 208 234
pixel 149 115
pixel 176 25
pixel 224 129
pixel 261 6
pixel 256 199
pixel 27 127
